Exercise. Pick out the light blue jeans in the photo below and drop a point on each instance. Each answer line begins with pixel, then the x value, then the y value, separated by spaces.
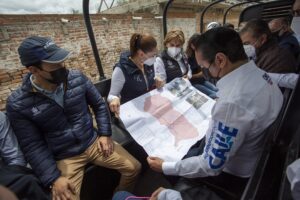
pixel 207 88
pixel 121 195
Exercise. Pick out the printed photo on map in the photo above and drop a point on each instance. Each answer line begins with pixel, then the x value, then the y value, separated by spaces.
pixel 197 100
pixel 179 87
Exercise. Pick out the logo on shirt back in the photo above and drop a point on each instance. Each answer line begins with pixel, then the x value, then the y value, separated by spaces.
pixel 267 78
pixel 221 145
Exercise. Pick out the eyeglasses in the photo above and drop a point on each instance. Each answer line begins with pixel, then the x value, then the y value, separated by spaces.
pixel 253 44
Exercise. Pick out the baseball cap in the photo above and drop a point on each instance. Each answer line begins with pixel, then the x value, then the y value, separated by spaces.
pixel 212 25
pixel 36 49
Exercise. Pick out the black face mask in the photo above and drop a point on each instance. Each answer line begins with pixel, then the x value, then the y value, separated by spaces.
pixel 208 76
pixel 275 34
pixel 58 76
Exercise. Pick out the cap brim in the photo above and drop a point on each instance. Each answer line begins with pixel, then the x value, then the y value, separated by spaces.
pixel 58 57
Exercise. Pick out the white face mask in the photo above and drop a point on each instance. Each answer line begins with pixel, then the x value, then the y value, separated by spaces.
pixel 173 51
pixel 296 25
pixel 150 61
pixel 250 51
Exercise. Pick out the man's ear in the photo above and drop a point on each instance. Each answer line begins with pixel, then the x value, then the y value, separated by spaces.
pixel 264 38
pixel 285 28
pixel 221 60
pixel 33 69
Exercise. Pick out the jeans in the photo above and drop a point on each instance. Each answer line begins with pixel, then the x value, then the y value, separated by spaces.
pixel 207 88
pixel 123 195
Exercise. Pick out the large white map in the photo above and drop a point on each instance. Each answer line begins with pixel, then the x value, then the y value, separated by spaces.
pixel 168 121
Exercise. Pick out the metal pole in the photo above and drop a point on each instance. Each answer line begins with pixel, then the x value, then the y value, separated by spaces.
pixel 86 15
pixel 204 11
pixel 165 17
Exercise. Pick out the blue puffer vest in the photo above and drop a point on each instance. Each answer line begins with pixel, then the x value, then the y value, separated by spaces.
pixel 172 67
pixel 135 82
pixel 47 132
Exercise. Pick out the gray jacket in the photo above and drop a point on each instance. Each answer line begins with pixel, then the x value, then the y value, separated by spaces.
pixel 10 152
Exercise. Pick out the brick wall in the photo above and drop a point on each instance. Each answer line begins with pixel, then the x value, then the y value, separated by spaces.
pixel 112 37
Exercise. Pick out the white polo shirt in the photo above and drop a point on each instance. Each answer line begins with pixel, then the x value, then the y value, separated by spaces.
pixel 248 103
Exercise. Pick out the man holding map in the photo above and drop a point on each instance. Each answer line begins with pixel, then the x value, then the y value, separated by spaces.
pixel 248 102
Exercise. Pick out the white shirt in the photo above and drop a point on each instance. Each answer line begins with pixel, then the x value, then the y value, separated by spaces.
pixel 117 84
pixel 160 70
pixel 168 194
pixel 293 175
pixel 248 103
pixel 285 80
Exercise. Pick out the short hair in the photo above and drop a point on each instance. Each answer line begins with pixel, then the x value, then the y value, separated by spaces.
pixel 174 34
pixel 283 21
pixel 224 40
pixel 143 42
pixel 192 41
pixel 257 27
pixel 228 25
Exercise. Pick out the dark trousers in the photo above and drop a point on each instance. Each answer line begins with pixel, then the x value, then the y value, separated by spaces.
pixel 224 185
pixel 23 183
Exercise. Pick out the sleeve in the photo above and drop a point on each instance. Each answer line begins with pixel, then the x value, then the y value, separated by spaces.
pixel 10 151
pixel 34 147
pixel 225 135
pixel 159 69
pixel 293 175
pixel 99 107
pixel 285 80
pixel 189 74
pixel 169 194
pixel 117 83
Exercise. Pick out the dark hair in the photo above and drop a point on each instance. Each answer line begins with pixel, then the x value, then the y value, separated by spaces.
pixel 224 40
pixel 284 21
pixel 192 41
pixel 256 27
pixel 37 65
pixel 228 25
pixel 143 42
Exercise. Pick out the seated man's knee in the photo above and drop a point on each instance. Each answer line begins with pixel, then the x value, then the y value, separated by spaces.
pixel 134 168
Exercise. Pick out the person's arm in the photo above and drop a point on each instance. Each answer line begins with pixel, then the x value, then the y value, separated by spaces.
pixel 34 147
pixel 285 80
pixel 189 74
pixel 293 175
pixel 159 69
pixel 117 83
pixel 224 137
pixel 168 194
pixel 10 151
pixel 99 107
pixel 197 75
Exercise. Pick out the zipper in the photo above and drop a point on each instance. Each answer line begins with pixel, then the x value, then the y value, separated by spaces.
pixel 43 95
pixel 145 78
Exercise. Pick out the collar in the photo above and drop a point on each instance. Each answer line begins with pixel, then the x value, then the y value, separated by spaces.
pixel 270 43
pixel 42 90
pixel 229 79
